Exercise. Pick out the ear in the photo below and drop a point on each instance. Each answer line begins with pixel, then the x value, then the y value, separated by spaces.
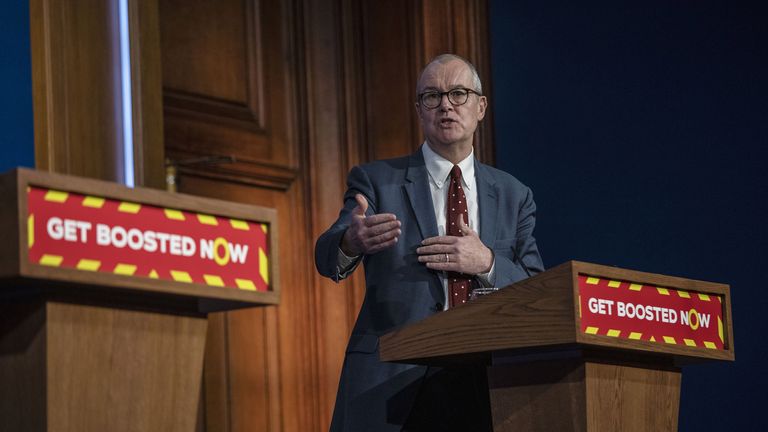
pixel 418 110
pixel 482 104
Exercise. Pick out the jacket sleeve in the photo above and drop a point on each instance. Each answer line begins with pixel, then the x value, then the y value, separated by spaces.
pixel 327 245
pixel 525 252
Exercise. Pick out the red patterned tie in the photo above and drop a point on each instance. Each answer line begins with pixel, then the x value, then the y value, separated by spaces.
pixel 458 283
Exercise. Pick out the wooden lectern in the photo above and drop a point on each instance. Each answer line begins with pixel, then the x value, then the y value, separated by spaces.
pixel 104 294
pixel 580 347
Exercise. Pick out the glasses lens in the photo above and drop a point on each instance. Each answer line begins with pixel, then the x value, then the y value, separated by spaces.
pixel 458 96
pixel 430 99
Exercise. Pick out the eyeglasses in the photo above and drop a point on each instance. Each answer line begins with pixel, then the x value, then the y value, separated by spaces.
pixel 458 96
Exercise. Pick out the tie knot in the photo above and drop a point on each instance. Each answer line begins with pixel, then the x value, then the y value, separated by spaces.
pixel 456 172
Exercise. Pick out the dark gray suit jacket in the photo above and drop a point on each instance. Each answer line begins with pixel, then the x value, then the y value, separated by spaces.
pixel 377 396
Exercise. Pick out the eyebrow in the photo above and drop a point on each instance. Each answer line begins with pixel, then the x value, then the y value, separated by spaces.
pixel 431 89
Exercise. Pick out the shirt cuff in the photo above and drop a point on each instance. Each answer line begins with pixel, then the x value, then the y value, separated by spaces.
pixel 488 280
pixel 345 264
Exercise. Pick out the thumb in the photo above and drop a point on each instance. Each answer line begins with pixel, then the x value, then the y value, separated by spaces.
pixel 463 227
pixel 362 205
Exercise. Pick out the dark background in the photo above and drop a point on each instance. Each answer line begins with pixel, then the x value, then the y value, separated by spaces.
pixel 642 128
pixel 16 132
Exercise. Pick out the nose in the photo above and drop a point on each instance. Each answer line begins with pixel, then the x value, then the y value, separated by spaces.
pixel 445 103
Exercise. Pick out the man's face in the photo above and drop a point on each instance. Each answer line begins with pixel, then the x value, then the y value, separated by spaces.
pixel 450 125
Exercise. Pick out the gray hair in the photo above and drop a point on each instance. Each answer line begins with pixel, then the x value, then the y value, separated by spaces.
pixel 445 58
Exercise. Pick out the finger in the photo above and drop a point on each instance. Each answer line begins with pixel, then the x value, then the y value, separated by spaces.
pixel 383 228
pixel 379 218
pixel 433 258
pixel 382 238
pixel 381 246
pixel 444 266
pixel 362 205
pixel 463 227
pixel 441 258
pixel 439 240
pixel 436 249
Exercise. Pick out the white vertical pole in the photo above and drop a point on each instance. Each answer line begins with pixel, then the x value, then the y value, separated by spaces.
pixel 125 78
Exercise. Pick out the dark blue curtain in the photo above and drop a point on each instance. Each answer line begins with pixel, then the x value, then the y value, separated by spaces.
pixel 16 130
pixel 642 127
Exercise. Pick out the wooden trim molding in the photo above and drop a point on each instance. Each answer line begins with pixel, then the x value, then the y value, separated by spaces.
pixel 75 88
pixel 147 101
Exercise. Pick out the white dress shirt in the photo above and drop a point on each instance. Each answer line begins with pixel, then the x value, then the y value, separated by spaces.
pixel 439 170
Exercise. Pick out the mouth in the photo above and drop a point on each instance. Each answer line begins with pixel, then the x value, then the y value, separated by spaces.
pixel 447 122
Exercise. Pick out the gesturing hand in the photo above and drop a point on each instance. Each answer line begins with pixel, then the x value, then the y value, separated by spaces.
pixel 463 254
pixel 371 234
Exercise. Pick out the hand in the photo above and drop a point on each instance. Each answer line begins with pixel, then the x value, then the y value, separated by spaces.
pixel 462 254
pixel 371 234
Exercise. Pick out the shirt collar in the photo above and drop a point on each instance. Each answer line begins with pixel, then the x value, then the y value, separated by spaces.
pixel 439 168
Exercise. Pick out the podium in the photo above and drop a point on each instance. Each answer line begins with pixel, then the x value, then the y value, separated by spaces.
pixel 104 296
pixel 580 347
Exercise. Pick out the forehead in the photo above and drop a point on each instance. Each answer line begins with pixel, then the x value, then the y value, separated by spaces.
pixel 444 76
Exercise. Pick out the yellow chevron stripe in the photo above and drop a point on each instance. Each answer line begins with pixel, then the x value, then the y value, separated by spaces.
pixel 89 265
pixel 181 276
pixel 93 202
pixel 30 231
pixel 670 340
pixel 710 345
pixel 662 291
pixel 207 219
pixel 593 280
pixel 51 260
pixel 704 297
pixel 614 284
pixel 245 284
pixel 613 333
pixel 720 329
pixel 125 269
pixel 153 274
pixel 174 214
pixel 264 266
pixel 690 342
pixel 635 335
pixel 264 228
pixel 239 224
pixel 213 280
pixel 129 207
pixel 591 330
pixel 683 294
pixel 635 287
pixel 56 196
pixel 652 339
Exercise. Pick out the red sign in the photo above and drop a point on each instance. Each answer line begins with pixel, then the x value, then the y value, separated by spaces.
pixel 97 234
pixel 644 312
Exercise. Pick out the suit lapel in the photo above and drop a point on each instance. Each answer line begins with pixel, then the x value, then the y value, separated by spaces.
pixel 488 204
pixel 417 189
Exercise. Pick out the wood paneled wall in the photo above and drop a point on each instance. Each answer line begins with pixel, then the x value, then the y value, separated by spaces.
pixel 76 82
pixel 295 93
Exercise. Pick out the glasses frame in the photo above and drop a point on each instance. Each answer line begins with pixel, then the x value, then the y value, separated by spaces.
pixel 445 93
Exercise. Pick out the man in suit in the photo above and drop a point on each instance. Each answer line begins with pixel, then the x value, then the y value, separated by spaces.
pixel 428 228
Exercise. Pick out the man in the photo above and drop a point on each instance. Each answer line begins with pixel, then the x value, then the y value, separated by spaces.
pixel 414 223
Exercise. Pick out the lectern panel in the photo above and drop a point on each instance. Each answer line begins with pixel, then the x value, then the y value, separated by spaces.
pixel 89 238
pixel 663 315
pixel 96 234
